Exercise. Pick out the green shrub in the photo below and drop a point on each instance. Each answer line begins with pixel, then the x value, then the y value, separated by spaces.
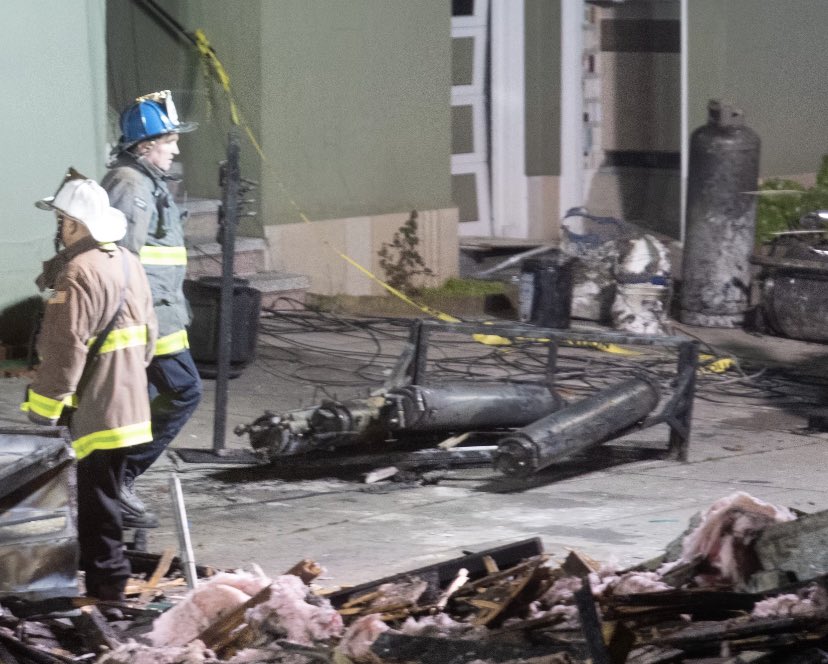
pixel 781 212
pixel 401 261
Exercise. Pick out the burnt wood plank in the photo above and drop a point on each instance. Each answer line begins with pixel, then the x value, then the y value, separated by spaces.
pixel 504 556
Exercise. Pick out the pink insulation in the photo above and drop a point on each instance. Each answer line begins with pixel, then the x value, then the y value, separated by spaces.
pixel 357 639
pixel 287 612
pixel 726 534
pixel 811 601
pixel 136 653
pixel 204 605
pixel 631 583
pixel 441 624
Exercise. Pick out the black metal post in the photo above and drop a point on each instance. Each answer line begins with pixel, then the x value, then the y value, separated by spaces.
pixel 688 362
pixel 230 210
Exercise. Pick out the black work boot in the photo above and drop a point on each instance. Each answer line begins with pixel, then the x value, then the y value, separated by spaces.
pixel 134 513
pixel 146 520
pixel 130 502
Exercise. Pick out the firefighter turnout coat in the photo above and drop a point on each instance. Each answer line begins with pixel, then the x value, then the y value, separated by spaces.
pixel 112 404
pixel 156 234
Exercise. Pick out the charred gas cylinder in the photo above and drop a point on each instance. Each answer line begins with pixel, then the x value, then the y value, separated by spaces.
pixel 345 417
pixel 331 424
pixel 577 427
pixel 721 220
pixel 464 406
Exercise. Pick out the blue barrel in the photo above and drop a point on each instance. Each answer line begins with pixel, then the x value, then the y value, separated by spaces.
pixel 721 220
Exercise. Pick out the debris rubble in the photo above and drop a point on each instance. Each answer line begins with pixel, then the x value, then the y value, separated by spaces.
pixel 510 604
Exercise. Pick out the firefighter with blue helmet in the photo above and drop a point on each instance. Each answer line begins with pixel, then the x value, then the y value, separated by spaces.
pixel 137 183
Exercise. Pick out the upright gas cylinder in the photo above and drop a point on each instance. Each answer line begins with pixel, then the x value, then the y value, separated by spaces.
pixel 721 220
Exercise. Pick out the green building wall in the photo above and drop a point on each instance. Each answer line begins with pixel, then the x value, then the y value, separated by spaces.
pixel 543 87
pixel 768 58
pixel 54 115
pixel 350 106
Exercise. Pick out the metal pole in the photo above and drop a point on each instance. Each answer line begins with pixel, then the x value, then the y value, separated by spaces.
pixel 230 215
pixel 180 513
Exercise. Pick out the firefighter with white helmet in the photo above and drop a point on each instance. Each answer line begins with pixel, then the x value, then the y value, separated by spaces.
pixel 96 340
pixel 137 184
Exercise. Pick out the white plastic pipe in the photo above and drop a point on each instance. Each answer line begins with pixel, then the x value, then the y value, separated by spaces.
pixel 186 548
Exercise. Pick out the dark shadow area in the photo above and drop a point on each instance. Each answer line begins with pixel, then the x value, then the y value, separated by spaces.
pixel 636 114
pixel 18 323
pixel 350 467
pixel 19 320
pixel 600 458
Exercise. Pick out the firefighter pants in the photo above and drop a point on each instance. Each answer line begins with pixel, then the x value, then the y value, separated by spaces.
pixel 175 391
pixel 99 522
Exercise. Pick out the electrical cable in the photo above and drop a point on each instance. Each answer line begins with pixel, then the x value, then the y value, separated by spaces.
pixel 365 358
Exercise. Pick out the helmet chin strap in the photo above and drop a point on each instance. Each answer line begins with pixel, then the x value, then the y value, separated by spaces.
pixel 59 233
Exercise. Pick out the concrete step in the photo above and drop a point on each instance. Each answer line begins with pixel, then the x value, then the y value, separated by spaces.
pixel 204 257
pixel 280 290
pixel 202 220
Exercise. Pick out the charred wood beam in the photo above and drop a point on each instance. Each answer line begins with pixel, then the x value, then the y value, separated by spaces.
pixel 393 648
pixel 26 653
pixel 6 657
pixel 143 562
pixel 655 655
pixel 94 630
pixel 505 556
pixel 685 601
pixel 591 624
pixel 700 635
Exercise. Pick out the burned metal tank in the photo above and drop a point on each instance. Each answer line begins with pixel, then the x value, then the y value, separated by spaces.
pixel 793 281
pixel 721 220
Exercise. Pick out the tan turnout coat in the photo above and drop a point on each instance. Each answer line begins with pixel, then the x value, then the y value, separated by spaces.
pixel 112 407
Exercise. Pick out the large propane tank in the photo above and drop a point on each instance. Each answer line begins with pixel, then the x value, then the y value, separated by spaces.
pixel 721 220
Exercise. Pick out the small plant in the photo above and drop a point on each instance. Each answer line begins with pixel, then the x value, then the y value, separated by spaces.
pixel 781 212
pixel 401 261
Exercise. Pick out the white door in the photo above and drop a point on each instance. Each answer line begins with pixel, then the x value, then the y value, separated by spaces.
pixel 470 144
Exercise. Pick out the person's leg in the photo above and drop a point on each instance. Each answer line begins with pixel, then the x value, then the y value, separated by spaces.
pixel 175 391
pixel 99 524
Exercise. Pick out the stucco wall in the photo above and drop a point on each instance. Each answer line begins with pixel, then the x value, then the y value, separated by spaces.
pixel 350 107
pixel 543 87
pixel 54 114
pixel 355 108
pixel 768 58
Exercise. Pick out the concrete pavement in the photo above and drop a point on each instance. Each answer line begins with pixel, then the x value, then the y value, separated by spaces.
pixel 619 504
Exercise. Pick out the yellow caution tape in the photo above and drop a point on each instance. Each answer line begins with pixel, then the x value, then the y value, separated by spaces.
pixel 717 366
pixel 208 53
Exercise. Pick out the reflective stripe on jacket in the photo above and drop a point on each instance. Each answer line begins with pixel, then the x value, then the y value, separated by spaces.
pixel 112 408
pixel 172 343
pixel 156 234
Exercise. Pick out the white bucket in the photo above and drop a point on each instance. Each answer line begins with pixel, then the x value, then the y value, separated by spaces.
pixel 641 308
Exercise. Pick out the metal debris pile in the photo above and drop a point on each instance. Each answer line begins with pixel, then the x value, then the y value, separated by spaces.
pixel 745 583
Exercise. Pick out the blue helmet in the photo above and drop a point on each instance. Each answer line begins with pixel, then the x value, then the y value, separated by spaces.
pixel 151 116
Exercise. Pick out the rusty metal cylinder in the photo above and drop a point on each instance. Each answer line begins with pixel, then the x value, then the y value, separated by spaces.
pixel 721 220
pixel 463 406
pixel 577 427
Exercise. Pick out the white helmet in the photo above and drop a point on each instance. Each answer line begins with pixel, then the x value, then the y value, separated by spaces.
pixel 86 201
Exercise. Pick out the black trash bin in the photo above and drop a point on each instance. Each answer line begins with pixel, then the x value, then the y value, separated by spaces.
pixel 546 291
pixel 204 296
